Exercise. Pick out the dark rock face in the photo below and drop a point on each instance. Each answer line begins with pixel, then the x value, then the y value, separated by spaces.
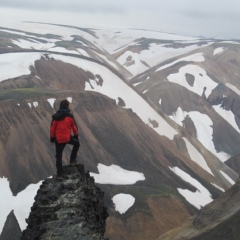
pixel 188 124
pixel 190 79
pixel 11 226
pixel 234 163
pixel 68 209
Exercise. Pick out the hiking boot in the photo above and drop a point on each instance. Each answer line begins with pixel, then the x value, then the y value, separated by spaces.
pixel 60 176
pixel 74 162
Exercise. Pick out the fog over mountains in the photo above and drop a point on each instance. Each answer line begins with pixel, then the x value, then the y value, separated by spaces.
pixel 158 118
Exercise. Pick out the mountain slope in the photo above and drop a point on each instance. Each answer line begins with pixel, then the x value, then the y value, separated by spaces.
pixel 196 93
pixel 217 220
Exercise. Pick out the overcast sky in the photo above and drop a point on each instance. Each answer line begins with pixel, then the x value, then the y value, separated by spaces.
pixel 208 18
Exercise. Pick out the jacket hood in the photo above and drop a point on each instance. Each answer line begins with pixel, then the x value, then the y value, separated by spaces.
pixel 61 114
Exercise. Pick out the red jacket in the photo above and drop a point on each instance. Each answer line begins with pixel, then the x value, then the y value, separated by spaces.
pixel 62 126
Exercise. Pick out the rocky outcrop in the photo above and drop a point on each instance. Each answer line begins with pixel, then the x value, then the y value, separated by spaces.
pixel 67 209
pixel 234 163
pixel 11 226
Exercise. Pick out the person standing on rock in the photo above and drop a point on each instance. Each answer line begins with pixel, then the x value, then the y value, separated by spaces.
pixel 63 125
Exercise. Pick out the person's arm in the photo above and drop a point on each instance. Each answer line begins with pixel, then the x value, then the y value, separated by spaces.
pixel 74 128
pixel 53 131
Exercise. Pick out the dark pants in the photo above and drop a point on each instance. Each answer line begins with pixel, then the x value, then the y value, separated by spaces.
pixel 59 151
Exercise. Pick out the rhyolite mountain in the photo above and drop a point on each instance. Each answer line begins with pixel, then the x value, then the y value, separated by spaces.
pixel 158 116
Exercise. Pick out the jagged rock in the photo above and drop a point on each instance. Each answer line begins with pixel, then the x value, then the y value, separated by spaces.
pixel 11 225
pixel 67 209
pixel 234 163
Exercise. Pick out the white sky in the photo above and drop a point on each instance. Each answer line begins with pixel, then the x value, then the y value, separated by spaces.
pixel 191 17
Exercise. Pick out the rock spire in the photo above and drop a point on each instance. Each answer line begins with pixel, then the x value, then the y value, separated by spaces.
pixel 68 209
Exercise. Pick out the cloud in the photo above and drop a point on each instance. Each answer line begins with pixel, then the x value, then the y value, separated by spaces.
pixel 190 17
pixel 70 5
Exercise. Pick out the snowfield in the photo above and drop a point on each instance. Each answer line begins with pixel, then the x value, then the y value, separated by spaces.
pixel 197 57
pixel 160 53
pixel 196 156
pixel 200 197
pixel 233 88
pixel 123 202
pixel 116 175
pixel 16 64
pixel 203 125
pixel 227 115
pixel 218 50
pixel 227 177
pixel 202 82
pixel 21 204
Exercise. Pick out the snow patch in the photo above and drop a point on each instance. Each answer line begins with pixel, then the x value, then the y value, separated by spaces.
pixel 35 104
pixel 82 52
pixel 196 156
pixel 21 204
pixel 203 125
pixel 135 84
pixel 82 43
pixel 227 115
pixel 218 50
pixel 201 197
pixel 197 57
pixel 51 101
pixel 16 64
pixel 113 39
pixel 227 177
pixel 108 61
pixel 123 202
pixel 202 82
pixel 233 88
pixel 116 175
pixel 178 116
pixel 216 186
pixel 33 44
pixel 156 54
pixel 69 99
